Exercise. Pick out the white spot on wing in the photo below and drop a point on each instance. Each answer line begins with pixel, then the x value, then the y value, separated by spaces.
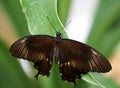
pixel 46 59
pixel 95 53
pixel 93 60
pixel 68 63
pixel 23 40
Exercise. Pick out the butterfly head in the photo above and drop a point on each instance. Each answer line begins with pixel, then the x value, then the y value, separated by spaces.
pixel 58 34
pixel 58 37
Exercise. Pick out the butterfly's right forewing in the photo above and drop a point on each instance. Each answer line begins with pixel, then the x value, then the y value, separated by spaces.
pixel 35 48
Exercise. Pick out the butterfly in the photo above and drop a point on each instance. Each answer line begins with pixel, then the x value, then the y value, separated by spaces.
pixel 74 58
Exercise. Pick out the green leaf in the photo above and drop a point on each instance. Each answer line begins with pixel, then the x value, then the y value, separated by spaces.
pixel 14 11
pixel 107 82
pixel 111 39
pixel 37 11
pixel 89 78
pixel 104 33
pixel 12 75
pixel 63 7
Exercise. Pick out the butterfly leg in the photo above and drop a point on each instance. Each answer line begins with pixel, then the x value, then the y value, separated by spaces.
pixel 36 76
pixel 36 66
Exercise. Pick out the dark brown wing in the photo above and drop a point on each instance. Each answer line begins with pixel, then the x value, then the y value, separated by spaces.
pixel 35 48
pixel 78 58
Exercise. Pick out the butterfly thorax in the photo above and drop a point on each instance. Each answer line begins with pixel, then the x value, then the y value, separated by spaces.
pixel 58 37
pixel 57 48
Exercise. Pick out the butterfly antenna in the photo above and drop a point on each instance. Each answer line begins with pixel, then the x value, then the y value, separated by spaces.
pixel 55 28
pixel 51 24
pixel 67 23
pixel 49 21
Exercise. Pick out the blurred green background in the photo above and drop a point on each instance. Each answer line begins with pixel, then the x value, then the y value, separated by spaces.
pixel 104 36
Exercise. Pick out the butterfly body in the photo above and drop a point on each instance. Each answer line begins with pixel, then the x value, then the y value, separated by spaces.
pixel 56 54
pixel 74 58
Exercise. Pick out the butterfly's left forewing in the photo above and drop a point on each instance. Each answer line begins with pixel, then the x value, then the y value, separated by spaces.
pixel 35 48
pixel 78 58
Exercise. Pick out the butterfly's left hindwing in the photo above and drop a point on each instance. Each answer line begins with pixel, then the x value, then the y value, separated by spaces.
pixel 78 58
pixel 35 48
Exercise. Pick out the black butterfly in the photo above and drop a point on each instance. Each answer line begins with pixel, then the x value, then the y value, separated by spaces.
pixel 74 58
